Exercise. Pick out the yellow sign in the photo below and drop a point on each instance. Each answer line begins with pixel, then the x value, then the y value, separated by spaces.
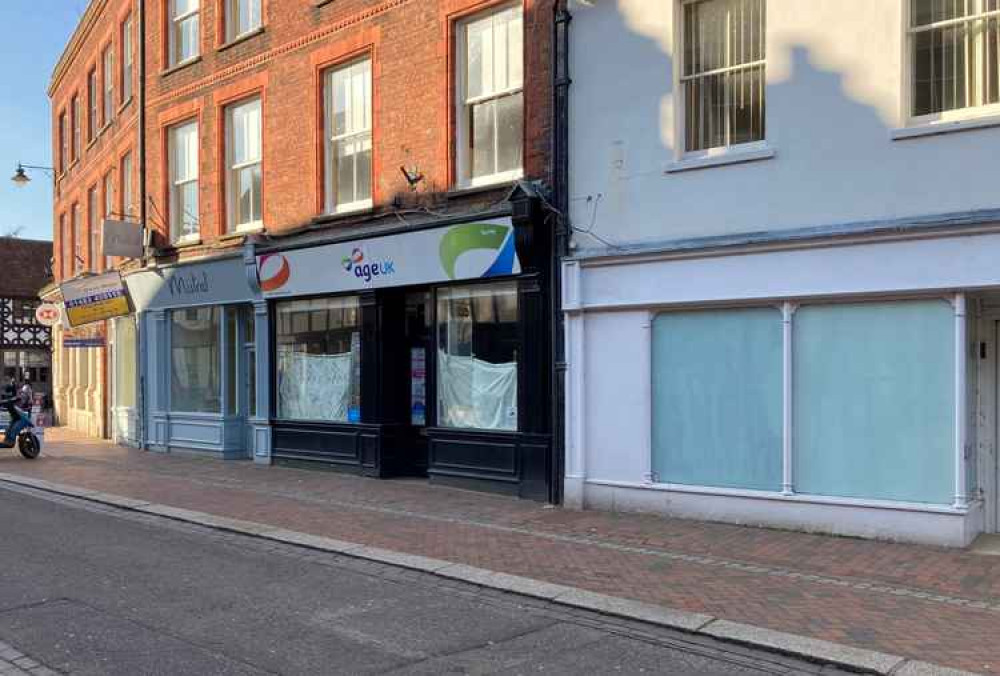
pixel 94 299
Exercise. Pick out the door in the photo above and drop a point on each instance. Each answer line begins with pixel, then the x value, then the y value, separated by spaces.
pixel 418 343
pixel 987 419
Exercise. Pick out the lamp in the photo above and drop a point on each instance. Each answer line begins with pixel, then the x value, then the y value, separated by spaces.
pixel 21 178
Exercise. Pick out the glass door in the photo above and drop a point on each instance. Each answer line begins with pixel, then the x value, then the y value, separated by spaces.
pixel 418 341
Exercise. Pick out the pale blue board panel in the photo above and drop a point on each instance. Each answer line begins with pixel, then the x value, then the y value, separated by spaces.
pixel 874 401
pixel 717 397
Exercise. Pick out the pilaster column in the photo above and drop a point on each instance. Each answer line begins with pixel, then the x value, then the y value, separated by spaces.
pixel 961 403
pixel 262 350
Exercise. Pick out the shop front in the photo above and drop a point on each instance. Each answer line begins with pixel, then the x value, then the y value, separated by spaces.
pixel 416 353
pixel 198 327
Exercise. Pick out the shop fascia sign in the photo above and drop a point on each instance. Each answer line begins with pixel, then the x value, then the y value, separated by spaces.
pixel 466 251
pixel 94 298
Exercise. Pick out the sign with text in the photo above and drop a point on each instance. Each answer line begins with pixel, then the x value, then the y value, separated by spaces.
pixel 122 238
pixel 92 335
pixel 94 299
pixel 456 252
pixel 218 282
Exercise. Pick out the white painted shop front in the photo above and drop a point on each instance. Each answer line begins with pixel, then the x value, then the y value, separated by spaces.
pixel 848 388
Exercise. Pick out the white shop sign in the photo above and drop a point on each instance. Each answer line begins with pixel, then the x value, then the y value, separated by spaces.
pixel 457 252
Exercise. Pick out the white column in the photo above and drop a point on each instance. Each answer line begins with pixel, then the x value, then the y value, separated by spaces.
pixel 961 330
pixel 576 457
pixel 787 315
pixel 262 350
pixel 646 368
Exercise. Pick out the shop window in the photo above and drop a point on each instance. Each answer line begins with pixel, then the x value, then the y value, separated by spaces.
pixel 183 182
pixel 243 153
pixel 490 97
pixel 955 55
pixel 184 30
pixel 717 395
pixel 874 400
pixel 195 360
pixel 478 349
pixel 242 17
pixel 232 352
pixel 349 137
pixel 724 47
pixel 319 359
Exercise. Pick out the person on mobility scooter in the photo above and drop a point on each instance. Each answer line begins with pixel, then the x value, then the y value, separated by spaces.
pixel 20 431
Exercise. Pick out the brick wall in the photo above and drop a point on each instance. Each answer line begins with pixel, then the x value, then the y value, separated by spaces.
pixel 101 149
pixel 411 44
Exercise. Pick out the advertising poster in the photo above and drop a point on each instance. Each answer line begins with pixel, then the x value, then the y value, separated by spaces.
pixel 94 299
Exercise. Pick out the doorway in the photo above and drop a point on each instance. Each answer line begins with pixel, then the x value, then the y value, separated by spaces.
pixel 988 399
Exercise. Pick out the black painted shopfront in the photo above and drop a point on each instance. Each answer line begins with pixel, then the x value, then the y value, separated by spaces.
pixel 447 379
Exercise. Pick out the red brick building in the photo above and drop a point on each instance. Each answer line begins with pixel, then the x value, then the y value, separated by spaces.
pixel 398 129
pixel 95 136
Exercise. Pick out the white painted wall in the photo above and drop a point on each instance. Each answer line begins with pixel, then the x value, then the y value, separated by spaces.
pixel 835 87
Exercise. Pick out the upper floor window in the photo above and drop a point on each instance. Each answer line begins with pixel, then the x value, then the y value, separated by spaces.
pixel 109 84
pixel 723 78
pixel 127 59
pixel 242 17
pixel 65 248
pixel 348 153
pixel 95 229
pixel 243 162
pixel 109 205
pixel 955 52
pixel 184 30
pixel 74 108
pixel 128 203
pixel 183 141
pixel 78 237
pixel 92 104
pixel 63 142
pixel 23 310
pixel 490 101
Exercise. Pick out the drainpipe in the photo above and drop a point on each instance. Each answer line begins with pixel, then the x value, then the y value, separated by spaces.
pixel 140 158
pixel 560 246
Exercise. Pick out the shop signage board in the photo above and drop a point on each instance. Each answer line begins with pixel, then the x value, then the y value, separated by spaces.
pixel 92 335
pixel 465 251
pixel 218 282
pixel 94 299
pixel 122 238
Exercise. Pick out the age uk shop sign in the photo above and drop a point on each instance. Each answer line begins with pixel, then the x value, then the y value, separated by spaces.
pixel 457 252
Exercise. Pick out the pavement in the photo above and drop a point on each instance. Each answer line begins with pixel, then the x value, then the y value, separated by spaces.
pixel 93 589
pixel 875 606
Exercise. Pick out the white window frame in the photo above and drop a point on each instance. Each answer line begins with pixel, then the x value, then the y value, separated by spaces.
pixel 77 122
pixel 125 180
pixel 128 70
pixel 175 22
pixel 108 182
pixel 108 95
pixel 694 159
pixel 463 104
pixel 177 234
pixel 92 104
pixel 232 27
pixel 329 180
pixel 233 168
pixel 93 216
pixel 909 64
pixel 77 241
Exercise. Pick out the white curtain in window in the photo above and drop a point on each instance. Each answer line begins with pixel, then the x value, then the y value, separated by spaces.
pixel 477 394
pixel 314 386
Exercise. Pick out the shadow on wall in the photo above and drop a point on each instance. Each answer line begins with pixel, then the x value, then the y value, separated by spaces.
pixel 836 162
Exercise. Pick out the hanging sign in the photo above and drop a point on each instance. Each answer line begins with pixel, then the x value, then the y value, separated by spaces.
pixel 48 314
pixel 94 299
pixel 456 252
pixel 122 238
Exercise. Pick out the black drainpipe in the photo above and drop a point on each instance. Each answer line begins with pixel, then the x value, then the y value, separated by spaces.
pixel 140 159
pixel 560 244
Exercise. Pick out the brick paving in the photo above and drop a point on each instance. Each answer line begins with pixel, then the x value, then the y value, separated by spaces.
pixel 925 603
pixel 13 662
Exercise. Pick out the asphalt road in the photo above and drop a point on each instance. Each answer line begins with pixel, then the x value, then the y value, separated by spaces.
pixel 87 589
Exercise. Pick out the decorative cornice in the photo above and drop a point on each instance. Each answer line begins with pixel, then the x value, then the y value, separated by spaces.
pixel 80 34
pixel 288 47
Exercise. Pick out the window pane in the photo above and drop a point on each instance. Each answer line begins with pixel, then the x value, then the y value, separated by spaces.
pixel 931 11
pixel 874 401
pixel 477 356
pixel 510 132
pixel 483 138
pixel 186 39
pixel 728 107
pixel 349 124
pixel 319 359
pixel 939 70
pixel 717 398
pixel 232 350
pixel 195 360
